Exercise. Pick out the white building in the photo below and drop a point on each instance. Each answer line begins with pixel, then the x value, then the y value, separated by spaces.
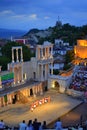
pixel 58 65
pixel 59 42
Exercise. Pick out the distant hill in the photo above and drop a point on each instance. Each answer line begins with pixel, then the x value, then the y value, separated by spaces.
pixel 66 32
pixel 7 33
pixel 36 35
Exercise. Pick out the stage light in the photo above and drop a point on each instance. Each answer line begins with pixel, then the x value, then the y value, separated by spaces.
pixel 53 86
pixel 45 100
pixel 40 102
pixel 32 109
pixel 34 105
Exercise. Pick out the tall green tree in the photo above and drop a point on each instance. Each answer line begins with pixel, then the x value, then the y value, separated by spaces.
pixel 69 57
pixel 3 62
pixel 7 53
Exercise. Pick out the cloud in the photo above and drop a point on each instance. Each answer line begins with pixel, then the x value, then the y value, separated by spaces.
pixel 46 17
pixel 33 16
pixel 6 12
pixel 19 16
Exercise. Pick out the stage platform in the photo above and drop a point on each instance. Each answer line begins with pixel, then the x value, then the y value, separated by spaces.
pixel 59 105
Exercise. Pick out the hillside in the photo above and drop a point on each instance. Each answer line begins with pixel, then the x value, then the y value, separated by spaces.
pixel 37 35
pixel 67 32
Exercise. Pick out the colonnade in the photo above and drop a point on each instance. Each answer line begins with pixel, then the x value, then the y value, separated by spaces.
pixel 44 56
pixel 17 68
pixel 17 57
pixel 36 89
pixel 44 71
pixel 9 100
pixel 44 51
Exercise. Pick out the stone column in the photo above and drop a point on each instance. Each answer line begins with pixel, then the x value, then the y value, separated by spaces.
pixel 17 54
pixel 34 91
pixel 21 55
pixel 9 99
pixel 51 68
pixel 41 90
pixel 37 52
pixel 1 102
pixel 0 82
pixel 12 55
pixel 45 71
pixel 42 72
pixel 39 72
pixel 38 88
pixel 22 72
pixel 41 53
pixel 18 76
pixel 14 74
pixel 51 51
pixel 48 69
pixel 45 52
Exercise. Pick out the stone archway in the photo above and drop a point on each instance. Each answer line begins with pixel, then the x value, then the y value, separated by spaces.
pixel 63 81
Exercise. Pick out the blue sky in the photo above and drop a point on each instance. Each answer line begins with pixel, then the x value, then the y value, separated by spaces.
pixel 41 14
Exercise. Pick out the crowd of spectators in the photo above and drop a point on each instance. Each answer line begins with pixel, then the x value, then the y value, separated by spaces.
pixel 32 125
pixel 35 125
pixel 79 81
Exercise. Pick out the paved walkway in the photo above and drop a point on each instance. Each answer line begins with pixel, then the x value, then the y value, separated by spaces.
pixel 60 104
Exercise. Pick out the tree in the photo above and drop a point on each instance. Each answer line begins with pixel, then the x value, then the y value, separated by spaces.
pixel 69 56
pixel 7 50
pixel 66 67
pixel 56 72
pixel 4 61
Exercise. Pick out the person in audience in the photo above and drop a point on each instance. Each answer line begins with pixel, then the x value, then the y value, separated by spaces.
pixel 40 126
pixel 86 124
pixel 29 126
pixel 2 125
pixel 44 125
pixel 22 125
pixel 81 120
pixel 35 124
pixel 58 125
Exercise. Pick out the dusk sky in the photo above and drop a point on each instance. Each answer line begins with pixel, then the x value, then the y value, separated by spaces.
pixel 41 14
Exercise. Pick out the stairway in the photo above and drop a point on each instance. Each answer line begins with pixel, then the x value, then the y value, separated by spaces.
pixel 22 98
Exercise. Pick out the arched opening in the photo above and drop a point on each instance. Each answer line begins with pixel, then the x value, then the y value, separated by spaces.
pixel 56 85
pixel 14 100
pixel 15 97
pixel 34 75
pixel 31 92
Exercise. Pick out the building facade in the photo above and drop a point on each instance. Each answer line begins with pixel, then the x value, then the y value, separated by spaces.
pixel 38 67
pixel 80 48
pixel 29 78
